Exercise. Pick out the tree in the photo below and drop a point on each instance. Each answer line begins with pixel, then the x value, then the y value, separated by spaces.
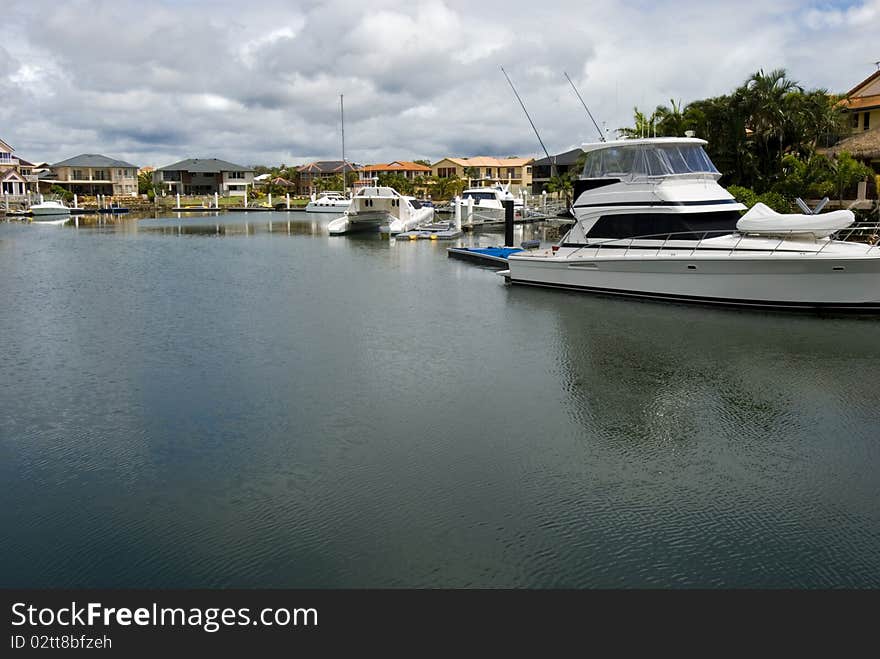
pixel 426 163
pixel 846 172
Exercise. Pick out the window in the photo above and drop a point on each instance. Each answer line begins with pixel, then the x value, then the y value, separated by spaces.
pixel 445 172
pixel 78 175
pixel 477 196
pixel 510 172
pixel 234 175
pixel 647 160
pixel 855 120
pixel 488 172
pixel 867 120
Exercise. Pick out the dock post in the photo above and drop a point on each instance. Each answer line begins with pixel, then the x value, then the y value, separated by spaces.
pixel 41 198
pixel 456 212
pixel 508 222
pixel 245 197
pixel 178 200
pixel 75 201
pixel 270 198
pixel 6 199
pixel 216 200
pixel 470 211
pixel 288 201
pixel 544 197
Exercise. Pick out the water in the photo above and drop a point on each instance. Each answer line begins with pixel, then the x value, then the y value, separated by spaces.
pixel 208 403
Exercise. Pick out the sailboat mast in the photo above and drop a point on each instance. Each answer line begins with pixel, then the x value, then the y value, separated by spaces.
pixel 342 120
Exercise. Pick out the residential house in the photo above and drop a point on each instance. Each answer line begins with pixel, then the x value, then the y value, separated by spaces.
pixel 204 176
pixel 13 173
pixel 406 169
pixel 310 173
pixel 542 170
pixel 93 174
pixel 484 171
pixel 862 103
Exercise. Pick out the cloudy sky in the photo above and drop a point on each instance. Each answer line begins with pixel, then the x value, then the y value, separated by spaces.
pixel 155 81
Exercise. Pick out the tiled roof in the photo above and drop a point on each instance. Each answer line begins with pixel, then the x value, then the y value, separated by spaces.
pixel 485 161
pixel 397 165
pixel 328 167
pixel 202 165
pixel 863 102
pixel 93 160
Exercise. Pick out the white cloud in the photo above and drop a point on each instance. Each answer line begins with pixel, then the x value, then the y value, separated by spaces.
pixel 421 78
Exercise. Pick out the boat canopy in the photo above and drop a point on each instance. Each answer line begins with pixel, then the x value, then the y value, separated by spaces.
pixel 643 160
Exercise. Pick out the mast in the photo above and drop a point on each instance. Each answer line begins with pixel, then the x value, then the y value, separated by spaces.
pixel 342 121
pixel 601 136
pixel 546 153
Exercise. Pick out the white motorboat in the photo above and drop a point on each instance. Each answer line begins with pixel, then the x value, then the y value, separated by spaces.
pixel 328 202
pixel 381 208
pixel 49 208
pixel 486 204
pixel 652 221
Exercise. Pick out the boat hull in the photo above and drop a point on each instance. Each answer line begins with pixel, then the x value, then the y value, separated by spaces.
pixel 794 283
pixel 328 208
pixel 42 212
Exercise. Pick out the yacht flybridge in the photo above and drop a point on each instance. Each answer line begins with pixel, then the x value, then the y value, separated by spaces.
pixel 652 221
pixel 381 208
pixel 487 203
pixel 328 202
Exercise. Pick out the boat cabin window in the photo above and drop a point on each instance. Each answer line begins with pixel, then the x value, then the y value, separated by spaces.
pixel 415 203
pixel 647 160
pixel 477 196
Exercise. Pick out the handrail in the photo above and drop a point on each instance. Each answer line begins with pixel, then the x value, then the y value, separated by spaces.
pixel 628 242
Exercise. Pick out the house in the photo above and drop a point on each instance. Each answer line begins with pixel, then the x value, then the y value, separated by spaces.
pixel 310 173
pixel 204 176
pixel 483 171
pixel 15 174
pixel 405 168
pixel 862 103
pixel 542 169
pixel 93 174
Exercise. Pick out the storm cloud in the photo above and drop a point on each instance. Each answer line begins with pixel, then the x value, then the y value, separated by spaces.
pixel 153 82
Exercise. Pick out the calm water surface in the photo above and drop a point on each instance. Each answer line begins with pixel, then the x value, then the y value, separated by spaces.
pixel 208 403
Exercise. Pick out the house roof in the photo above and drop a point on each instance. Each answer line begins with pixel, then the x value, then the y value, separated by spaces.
pixel 328 167
pixel 12 175
pixel 863 102
pixel 567 158
pixel 203 165
pixel 397 165
pixel 93 160
pixel 6 147
pixel 862 145
pixel 864 83
pixel 486 161
pixel 25 163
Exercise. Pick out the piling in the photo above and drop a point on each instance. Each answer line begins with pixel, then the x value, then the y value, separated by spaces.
pixel 508 222
pixel 456 213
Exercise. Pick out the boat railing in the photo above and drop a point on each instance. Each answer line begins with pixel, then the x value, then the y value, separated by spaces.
pixel 867 233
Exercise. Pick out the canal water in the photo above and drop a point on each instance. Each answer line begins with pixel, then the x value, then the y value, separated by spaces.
pixel 217 402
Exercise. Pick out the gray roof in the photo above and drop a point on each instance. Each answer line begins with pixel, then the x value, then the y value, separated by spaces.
pixel 567 158
pixel 93 160
pixel 204 165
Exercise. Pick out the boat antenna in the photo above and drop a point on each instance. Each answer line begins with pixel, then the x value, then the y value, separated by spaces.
pixel 546 153
pixel 590 114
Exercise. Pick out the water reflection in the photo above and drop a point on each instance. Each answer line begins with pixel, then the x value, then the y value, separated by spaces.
pixel 653 371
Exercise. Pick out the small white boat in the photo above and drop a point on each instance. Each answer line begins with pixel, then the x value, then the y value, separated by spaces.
pixel 49 208
pixel 763 220
pixel 487 204
pixel 328 202
pixel 381 208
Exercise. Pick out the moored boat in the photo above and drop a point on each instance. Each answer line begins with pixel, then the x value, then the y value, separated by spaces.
pixel 652 221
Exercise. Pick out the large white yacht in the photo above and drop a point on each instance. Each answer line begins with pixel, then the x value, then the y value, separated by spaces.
pixel 652 221
pixel 381 208
pixel 328 202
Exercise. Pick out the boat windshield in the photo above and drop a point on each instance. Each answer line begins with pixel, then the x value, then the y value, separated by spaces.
pixel 645 160
pixel 477 196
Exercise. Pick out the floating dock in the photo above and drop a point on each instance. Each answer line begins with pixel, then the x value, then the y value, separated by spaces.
pixel 493 256
pixel 441 231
